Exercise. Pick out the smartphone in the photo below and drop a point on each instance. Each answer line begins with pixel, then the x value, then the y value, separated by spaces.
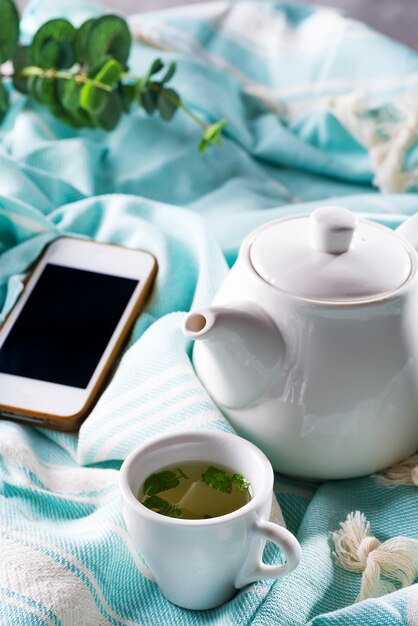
pixel 62 337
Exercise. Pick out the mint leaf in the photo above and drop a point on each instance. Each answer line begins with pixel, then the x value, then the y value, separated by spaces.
pixel 159 505
pixel 239 480
pixel 162 481
pixel 217 479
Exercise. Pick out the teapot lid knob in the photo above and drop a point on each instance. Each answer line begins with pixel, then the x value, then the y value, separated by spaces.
pixel 332 229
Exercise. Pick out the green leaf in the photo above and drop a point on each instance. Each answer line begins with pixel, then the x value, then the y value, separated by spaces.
pixel 156 66
pixel 159 505
pixel 65 116
pixel 168 103
pixel 127 96
pixel 149 98
pixel 93 99
pixel 213 132
pixel 110 116
pixel 57 54
pixel 52 45
pixel 161 481
pixel 239 480
pixel 212 135
pixel 80 40
pixel 67 106
pixel 9 29
pixel 170 73
pixel 71 95
pixel 4 101
pixel 108 35
pixel 76 119
pixel 93 70
pixel 82 118
pixel 110 73
pixel 22 58
pixel 217 478
pixel 44 90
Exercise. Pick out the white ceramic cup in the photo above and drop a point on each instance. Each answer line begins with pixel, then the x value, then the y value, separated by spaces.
pixel 199 564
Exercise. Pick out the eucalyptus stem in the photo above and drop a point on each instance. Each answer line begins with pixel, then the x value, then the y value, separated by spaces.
pixel 211 132
pixel 186 109
pixel 178 102
pixel 52 73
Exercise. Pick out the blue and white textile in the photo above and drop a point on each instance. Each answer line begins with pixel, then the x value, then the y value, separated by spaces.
pixel 319 108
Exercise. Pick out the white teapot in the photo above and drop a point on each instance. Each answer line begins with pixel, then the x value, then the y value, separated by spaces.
pixel 311 345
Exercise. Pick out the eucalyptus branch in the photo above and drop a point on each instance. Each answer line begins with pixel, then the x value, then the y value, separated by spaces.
pixel 54 74
pixel 81 74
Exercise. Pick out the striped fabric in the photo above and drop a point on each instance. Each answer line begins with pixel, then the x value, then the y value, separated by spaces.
pixel 319 108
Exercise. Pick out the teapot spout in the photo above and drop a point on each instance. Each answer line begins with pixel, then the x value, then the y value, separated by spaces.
pixel 237 353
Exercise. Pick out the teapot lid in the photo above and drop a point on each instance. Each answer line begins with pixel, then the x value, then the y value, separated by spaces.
pixel 330 255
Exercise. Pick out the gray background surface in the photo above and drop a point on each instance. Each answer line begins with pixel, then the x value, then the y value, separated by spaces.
pixel 396 18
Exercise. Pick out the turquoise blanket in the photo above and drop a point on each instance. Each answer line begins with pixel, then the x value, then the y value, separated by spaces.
pixel 320 108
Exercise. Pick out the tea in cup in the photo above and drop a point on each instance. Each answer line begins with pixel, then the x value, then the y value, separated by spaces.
pixel 200 543
pixel 195 490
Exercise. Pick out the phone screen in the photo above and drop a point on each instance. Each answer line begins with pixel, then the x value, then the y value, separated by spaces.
pixel 65 325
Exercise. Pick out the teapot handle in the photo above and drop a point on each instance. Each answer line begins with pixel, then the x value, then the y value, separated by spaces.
pixel 409 230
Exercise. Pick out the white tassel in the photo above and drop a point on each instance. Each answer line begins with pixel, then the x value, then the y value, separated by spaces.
pixel 387 131
pixel 358 551
pixel 403 473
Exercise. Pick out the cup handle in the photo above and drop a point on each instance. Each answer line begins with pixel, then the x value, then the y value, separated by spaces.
pixel 253 567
